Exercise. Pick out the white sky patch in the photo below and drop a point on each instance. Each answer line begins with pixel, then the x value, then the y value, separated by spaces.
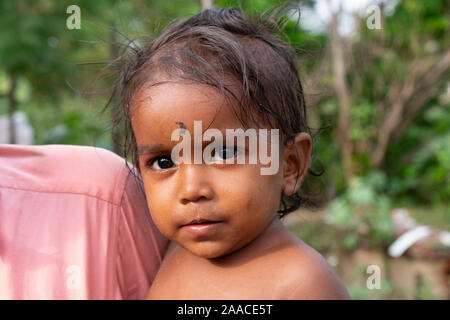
pixel 318 18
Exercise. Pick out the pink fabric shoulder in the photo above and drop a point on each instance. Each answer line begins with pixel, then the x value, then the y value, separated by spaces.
pixel 74 224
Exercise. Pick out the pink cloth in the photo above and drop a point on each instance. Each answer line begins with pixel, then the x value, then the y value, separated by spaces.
pixel 73 225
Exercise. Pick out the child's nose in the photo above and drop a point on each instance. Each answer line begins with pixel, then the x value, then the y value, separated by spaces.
pixel 194 183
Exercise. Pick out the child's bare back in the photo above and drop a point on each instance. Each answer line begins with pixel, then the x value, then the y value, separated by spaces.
pixel 277 265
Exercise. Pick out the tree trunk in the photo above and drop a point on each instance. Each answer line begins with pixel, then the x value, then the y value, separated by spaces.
pixel 341 89
pixel 411 98
pixel 12 106
pixel 207 4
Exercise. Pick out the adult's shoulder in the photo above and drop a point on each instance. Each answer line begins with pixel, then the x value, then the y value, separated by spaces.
pixel 64 169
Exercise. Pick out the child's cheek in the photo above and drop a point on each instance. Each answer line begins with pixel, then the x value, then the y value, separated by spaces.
pixel 158 204
pixel 247 195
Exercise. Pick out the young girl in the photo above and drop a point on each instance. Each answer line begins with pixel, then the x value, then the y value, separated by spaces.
pixel 227 72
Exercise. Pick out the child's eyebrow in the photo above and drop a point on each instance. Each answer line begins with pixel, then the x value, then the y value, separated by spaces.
pixel 150 148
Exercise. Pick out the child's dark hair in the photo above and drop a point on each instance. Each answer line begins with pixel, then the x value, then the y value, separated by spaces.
pixel 210 47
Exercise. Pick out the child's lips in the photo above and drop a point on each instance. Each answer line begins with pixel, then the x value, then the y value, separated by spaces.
pixel 202 228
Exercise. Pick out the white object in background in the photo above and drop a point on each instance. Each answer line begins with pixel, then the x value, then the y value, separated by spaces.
pixel 402 220
pixel 444 237
pixel 406 240
pixel 24 131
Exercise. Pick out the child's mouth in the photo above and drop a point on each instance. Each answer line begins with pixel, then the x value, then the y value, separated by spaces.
pixel 201 228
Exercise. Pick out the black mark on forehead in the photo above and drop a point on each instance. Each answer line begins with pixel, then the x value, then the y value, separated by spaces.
pixel 182 127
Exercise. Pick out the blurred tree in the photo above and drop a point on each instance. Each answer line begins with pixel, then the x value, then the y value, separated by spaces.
pixel 392 72
pixel 36 48
pixel 377 85
pixel 207 4
pixel 30 51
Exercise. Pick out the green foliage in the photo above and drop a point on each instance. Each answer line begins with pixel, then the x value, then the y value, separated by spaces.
pixel 38 47
pixel 421 159
pixel 424 289
pixel 76 128
pixel 379 63
pixel 362 126
pixel 363 212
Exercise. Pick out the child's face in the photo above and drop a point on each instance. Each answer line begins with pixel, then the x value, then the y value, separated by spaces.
pixel 209 209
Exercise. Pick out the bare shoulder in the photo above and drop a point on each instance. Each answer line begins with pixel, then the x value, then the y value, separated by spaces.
pixel 304 273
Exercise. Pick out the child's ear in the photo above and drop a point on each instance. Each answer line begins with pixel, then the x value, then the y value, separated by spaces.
pixel 296 155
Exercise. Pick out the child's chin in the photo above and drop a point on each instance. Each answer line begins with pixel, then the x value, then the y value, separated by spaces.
pixel 208 251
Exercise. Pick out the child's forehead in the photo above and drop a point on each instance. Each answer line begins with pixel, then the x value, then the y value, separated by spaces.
pixel 171 97
pixel 162 107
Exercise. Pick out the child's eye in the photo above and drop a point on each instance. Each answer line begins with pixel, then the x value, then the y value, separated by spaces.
pixel 223 153
pixel 160 163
